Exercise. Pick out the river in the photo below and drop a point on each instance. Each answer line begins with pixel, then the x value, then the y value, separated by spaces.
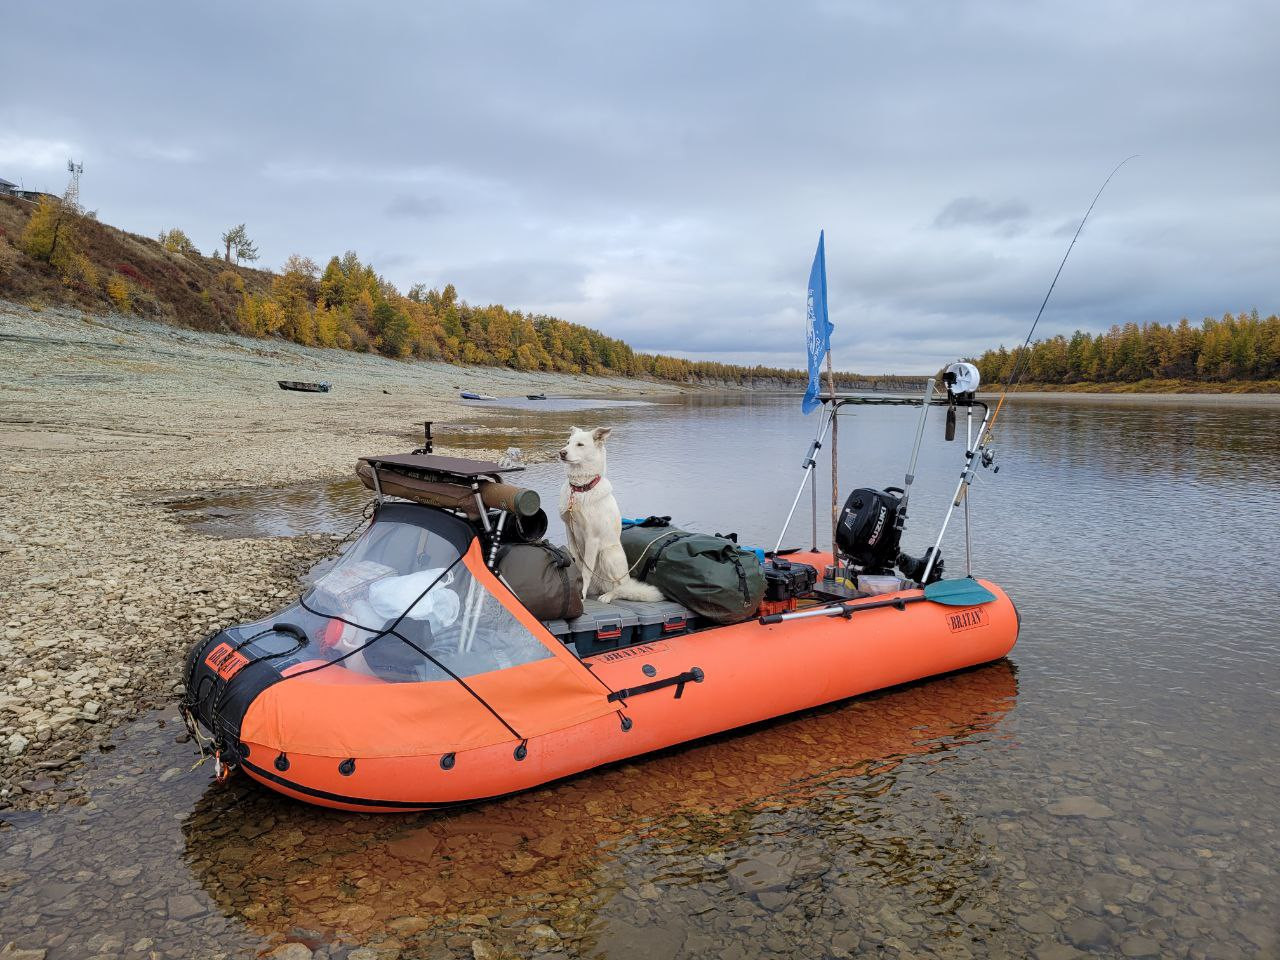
pixel 1111 787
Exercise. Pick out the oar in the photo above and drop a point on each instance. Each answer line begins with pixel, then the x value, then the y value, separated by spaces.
pixel 962 592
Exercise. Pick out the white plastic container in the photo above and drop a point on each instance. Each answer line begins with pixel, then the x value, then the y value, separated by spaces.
pixel 873 586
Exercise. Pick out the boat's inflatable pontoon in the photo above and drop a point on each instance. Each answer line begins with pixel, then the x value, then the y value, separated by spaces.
pixel 409 676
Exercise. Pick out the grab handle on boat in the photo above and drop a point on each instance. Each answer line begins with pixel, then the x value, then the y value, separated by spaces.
pixel 692 675
pixel 292 629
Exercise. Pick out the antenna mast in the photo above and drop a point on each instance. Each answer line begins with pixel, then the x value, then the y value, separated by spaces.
pixel 72 197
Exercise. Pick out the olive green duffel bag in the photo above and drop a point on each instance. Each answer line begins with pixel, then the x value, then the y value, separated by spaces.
pixel 544 578
pixel 712 576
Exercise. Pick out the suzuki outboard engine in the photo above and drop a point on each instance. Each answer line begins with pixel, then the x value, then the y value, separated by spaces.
pixel 869 531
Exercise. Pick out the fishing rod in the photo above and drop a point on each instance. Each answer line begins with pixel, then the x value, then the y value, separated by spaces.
pixel 1022 354
pixel 982 455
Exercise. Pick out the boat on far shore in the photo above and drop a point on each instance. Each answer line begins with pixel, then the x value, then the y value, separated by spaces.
pixel 535 396
pixel 303 386
pixel 468 395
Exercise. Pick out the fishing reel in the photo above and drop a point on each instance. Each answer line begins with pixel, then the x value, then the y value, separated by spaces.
pixel 961 380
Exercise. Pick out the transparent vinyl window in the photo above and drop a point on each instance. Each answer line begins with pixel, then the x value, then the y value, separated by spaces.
pixel 401 606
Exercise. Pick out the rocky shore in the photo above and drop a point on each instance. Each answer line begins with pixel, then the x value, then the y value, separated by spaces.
pixel 103 589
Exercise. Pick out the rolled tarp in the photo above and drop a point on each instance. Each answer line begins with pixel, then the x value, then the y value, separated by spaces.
pixel 452 496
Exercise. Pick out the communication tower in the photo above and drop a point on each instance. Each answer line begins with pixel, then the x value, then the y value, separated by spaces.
pixel 72 197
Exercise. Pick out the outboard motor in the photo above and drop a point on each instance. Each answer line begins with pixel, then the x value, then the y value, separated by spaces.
pixel 868 530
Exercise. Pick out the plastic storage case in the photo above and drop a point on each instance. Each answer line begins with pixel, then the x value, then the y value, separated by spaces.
pixel 602 627
pixel 785 580
pixel 656 619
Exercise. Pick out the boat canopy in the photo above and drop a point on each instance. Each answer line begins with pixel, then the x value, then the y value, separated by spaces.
pixel 433 654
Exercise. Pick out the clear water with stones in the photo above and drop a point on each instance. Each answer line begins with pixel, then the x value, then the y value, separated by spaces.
pixel 1113 787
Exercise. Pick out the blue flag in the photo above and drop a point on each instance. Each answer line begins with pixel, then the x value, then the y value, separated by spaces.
pixel 818 327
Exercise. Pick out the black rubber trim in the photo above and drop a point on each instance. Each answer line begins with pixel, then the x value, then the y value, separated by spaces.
pixel 339 798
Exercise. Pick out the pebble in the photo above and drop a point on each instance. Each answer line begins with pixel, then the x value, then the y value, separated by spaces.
pixel 1080 807
pixel 291 951
pixel 1088 932
pixel 184 906
pixel 1038 923
pixel 1139 947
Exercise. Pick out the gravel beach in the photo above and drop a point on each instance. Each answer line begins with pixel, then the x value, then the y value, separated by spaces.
pixel 102 418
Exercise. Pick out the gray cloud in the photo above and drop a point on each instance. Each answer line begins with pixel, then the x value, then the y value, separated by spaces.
pixel 406 206
pixel 971 211
pixel 661 171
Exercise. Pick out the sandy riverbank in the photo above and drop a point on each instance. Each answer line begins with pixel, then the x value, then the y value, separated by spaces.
pixel 103 589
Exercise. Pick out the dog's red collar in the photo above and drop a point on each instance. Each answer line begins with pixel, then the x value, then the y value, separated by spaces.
pixel 584 487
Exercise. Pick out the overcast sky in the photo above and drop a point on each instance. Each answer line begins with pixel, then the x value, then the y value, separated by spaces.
pixel 661 171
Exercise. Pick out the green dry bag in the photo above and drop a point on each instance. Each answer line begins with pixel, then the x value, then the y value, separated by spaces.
pixel 712 576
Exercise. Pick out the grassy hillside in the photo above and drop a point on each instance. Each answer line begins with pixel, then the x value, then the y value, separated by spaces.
pixel 147 279
pixel 50 254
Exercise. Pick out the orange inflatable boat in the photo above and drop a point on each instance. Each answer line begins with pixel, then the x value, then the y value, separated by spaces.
pixel 409 676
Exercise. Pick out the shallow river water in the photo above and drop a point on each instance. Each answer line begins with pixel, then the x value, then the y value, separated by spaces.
pixel 1112 788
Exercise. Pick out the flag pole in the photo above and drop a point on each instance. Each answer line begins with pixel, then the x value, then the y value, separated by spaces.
pixel 835 447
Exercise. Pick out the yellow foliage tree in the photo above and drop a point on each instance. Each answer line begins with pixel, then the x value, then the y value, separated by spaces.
pixel 118 291
pixel 51 235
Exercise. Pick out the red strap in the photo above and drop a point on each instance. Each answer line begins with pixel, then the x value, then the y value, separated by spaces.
pixel 584 487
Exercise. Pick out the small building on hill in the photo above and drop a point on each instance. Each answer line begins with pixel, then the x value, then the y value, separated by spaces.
pixel 7 189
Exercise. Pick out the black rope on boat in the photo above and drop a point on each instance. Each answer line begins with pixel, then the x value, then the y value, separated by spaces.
pixel 391 630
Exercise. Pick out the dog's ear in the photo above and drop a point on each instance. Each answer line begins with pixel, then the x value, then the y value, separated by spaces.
pixel 601 433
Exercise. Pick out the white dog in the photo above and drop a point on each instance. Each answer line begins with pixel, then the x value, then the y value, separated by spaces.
pixel 594 523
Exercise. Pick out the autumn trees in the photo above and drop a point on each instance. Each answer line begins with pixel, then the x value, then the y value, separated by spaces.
pixel 1243 347
pixel 176 241
pixel 347 305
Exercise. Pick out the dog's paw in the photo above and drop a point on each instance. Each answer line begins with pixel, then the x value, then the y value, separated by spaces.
pixel 606 597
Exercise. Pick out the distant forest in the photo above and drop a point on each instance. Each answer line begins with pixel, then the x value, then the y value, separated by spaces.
pixel 55 253
pixel 347 305
pixel 1244 347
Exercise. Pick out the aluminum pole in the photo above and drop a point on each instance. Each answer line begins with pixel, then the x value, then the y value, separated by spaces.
pixel 809 464
pixel 915 449
pixel 972 459
pixel 968 538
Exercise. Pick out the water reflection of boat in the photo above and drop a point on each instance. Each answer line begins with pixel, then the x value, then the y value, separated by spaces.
pixel 552 851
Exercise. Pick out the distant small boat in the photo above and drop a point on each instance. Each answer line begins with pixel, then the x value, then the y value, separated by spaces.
pixel 302 385
pixel 536 396
pixel 467 395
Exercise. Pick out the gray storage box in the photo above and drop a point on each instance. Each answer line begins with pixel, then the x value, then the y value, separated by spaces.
pixel 658 618
pixel 602 627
